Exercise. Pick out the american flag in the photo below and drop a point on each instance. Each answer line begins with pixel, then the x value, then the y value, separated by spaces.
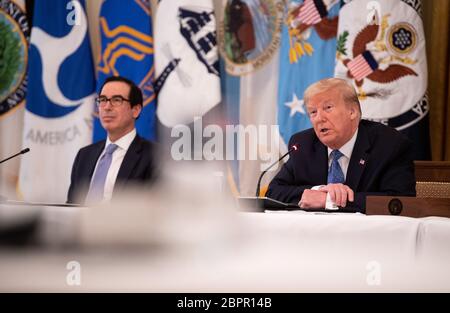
pixel 309 14
pixel 363 65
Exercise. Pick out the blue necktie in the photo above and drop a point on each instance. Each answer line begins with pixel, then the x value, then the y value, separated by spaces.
pixel 98 182
pixel 335 174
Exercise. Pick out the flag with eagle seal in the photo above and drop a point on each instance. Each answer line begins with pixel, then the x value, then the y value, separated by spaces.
pixel 381 49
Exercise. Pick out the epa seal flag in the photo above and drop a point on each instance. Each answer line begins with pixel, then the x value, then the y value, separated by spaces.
pixel 381 49
pixel 14 39
pixel 60 99
pixel 127 50
pixel 187 60
pixel 308 48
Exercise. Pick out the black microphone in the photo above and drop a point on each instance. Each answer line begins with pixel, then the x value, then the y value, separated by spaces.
pixel 13 156
pixel 294 147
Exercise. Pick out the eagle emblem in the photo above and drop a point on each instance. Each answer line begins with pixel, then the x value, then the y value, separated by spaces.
pixel 378 54
pixel 301 19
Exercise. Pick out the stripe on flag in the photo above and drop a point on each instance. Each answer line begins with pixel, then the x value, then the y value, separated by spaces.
pixel 309 13
pixel 362 66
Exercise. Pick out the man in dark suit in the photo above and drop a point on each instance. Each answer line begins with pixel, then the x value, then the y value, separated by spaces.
pixel 342 159
pixel 103 168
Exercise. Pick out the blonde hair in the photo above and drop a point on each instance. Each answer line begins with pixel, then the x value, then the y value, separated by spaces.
pixel 348 93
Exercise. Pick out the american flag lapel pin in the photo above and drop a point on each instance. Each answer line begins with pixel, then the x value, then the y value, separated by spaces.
pixel 362 162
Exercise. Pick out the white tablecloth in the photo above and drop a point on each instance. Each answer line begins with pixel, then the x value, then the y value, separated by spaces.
pixel 258 252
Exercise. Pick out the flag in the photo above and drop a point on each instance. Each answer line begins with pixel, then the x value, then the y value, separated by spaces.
pixel 251 32
pixel 381 49
pixel 127 50
pixel 187 60
pixel 307 55
pixel 60 99
pixel 15 35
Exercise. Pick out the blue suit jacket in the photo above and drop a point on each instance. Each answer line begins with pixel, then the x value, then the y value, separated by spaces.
pixel 381 164
pixel 138 166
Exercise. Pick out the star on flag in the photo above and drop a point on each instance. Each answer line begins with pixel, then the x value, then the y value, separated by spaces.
pixel 296 105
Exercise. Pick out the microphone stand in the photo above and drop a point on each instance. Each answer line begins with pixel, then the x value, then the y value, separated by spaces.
pixel 258 186
pixel 13 156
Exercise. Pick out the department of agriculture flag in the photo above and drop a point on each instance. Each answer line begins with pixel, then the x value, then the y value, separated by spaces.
pixel 127 50
pixel 14 39
pixel 307 55
pixel 381 49
pixel 60 99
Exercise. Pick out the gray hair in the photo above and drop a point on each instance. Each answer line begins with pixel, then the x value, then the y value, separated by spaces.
pixel 347 91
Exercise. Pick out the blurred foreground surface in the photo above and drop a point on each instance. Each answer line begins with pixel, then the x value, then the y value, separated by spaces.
pixel 186 235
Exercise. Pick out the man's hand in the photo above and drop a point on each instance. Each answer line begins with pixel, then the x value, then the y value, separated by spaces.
pixel 313 199
pixel 339 193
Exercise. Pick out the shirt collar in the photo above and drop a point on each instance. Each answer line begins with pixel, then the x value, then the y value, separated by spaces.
pixel 347 148
pixel 125 141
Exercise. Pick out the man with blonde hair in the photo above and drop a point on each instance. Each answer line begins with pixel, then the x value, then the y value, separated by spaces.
pixel 342 159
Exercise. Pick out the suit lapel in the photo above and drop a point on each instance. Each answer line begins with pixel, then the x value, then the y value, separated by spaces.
pixel 320 161
pixel 358 160
pixel 130 160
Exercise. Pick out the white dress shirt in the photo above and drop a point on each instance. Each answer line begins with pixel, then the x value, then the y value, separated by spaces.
pixel 123 144
pixel 346 150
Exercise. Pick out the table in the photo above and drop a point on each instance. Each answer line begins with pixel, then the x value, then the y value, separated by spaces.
pixel 232 252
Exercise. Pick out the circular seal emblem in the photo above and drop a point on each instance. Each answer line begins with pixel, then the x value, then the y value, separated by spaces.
pixel 392 89
pixel 250 33
pixel 402 38
pixel 14 38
